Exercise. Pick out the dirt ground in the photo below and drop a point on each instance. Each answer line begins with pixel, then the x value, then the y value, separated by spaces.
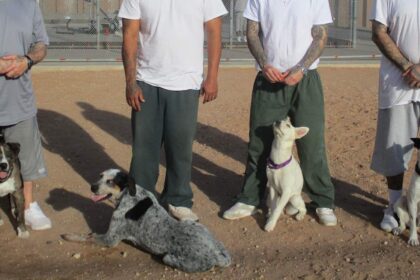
pixel 86 129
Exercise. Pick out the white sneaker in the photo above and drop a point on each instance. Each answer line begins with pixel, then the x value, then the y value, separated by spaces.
pixel 238 211
pixel 239 38
pixel 388 222
pixel 182 213
pixel 245 40
pixel 326 216
pixel 35 218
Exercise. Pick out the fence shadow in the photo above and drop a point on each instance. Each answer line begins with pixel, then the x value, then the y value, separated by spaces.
pixel 96 215
pixel 359 203
pixel 117 125
pixel 61 135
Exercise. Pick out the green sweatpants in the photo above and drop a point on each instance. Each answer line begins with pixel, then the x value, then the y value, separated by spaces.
pixel 167 118
pixel 304 104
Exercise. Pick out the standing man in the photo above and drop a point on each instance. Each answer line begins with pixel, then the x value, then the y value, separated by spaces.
pixel 164 94
pixel 396 32
pixel 293 36
pixel 23 43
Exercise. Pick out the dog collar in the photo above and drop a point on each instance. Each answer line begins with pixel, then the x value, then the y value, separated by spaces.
pixel 417 168
pixel 272 165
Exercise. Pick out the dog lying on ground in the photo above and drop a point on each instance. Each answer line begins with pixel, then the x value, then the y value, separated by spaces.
pixel 139 218
pixel 11 183
pixel 285 179
pixel 407 207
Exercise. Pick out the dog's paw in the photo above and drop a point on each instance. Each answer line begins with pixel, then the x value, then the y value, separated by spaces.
pixel 23 234
pixel 1 222
pixel 397 231
pixel 269 226
pixel 413 242
pixel 300 216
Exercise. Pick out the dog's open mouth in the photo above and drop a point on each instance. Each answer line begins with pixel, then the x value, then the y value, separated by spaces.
pixel 4 175
pixel 100 197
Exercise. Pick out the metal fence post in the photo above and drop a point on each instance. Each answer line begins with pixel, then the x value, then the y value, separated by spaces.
pixel 231 25
pixel 98 24
pixel 354 23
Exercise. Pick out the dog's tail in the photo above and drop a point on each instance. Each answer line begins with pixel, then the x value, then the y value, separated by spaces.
pixel 77 237
pixel 223 256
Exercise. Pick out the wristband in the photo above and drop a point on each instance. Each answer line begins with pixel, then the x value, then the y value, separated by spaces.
pixel 30 62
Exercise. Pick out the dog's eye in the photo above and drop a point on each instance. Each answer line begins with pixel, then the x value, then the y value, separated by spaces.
pixel 108 181
pixel 288 125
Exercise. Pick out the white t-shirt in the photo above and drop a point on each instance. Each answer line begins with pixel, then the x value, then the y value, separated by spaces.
pixel 171 39
pixel 402 17
pixel 286 28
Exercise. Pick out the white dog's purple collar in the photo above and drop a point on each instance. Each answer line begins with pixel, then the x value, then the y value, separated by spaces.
pixel 272 165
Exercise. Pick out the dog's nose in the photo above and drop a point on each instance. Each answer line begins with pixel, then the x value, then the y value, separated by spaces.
pixel 94 188
pixel 3 166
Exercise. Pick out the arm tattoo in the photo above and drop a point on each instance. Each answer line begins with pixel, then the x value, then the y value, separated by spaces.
pixel 37 52
pixel 254 42
pixel 320 36
pixel 388 47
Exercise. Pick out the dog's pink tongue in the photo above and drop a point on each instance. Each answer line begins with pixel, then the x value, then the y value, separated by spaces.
pixel 97 198
pixel 3 175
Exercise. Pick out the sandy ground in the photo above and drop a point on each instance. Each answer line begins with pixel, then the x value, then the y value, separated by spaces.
pixel 86 129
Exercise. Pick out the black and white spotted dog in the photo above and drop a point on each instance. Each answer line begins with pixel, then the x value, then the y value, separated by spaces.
pixel 139 218
pixel 11 183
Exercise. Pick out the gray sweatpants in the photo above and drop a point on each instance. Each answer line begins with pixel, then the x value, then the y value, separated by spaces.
pixel 167 118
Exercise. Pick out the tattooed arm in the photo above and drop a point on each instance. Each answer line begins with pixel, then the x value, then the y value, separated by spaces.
pixel 256 48
pixel 389 49
pixel 37 53
pixel 320 36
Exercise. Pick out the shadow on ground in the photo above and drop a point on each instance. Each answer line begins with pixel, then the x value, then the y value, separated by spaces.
pixel 61 135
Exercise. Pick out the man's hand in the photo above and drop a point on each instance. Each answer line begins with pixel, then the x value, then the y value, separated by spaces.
pixel 273 75
pixel 6 66
pixel 19 66
pixel 294 77
pixel 412 76
pixel 209 90
pixel 134 96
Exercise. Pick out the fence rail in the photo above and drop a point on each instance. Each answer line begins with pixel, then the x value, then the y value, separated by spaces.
pixel 76 27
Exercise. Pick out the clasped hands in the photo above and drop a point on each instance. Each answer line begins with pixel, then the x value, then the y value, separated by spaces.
pixel 290 77
pixel 13 66
pixel 412 76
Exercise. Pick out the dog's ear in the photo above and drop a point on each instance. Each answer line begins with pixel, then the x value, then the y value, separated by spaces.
pixel 15 147
pixel 121 180
pixel 139 210
pixel 131 186
pixel 301 131
pixel 416 142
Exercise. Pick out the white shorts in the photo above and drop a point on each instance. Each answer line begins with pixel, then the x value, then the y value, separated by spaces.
pixel 27 134
pixel 393 146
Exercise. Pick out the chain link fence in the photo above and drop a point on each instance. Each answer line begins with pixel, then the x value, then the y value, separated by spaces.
pixel 89 30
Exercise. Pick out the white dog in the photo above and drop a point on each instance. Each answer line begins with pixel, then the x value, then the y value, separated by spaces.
pixel 285 180
pixel 407 207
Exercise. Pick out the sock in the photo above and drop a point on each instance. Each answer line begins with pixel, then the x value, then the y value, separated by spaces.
pixel 393 196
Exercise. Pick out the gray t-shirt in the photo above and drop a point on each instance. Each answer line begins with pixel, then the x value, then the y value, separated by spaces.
pixel 21 25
